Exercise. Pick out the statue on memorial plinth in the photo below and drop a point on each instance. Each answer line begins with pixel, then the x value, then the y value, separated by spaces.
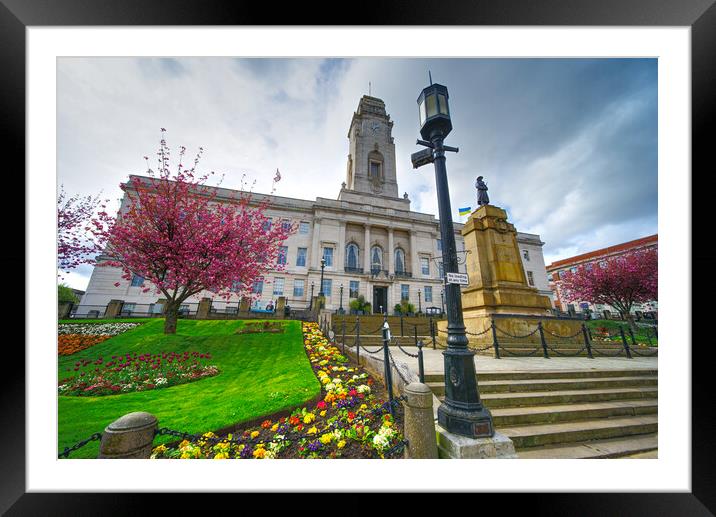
pixel 482 198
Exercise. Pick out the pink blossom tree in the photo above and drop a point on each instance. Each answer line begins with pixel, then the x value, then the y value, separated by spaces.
pixel 75 242
pixel 174 232
pixel 619 281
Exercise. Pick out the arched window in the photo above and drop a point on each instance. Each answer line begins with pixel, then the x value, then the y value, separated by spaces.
pixel 399 261
pixel 376 258
pixel 352 256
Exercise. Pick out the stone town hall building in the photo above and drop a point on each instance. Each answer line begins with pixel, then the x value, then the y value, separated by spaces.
pixel 373 243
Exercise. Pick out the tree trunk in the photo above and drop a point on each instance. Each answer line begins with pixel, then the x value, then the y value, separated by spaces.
pixel 170 320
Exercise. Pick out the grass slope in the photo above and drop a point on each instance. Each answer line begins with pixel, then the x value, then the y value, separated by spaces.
pixel 260 374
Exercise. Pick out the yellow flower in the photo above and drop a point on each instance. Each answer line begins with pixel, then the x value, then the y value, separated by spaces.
pixel 322 413
pixel 363 406
pixel 221 456
pixel 312 430
pixel 259 453
pixel 326 438
pixel 387 424
pixel 308 418
pixel 325 380
pixel 274 428
pixel 341 444
pixel 254 434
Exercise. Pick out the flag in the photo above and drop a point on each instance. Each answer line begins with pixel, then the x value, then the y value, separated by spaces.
pixel 464 211
pixel 278 176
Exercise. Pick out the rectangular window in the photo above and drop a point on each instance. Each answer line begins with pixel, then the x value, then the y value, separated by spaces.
pixel 425 266
pixel 236 286
pixel 561 274
pixel 328 255
pixel 441 270
pixel 428 290
pixel 327 286
pixel 282 253
pixel 298 286
pixel 267 225
pixel 258 287
pixel 301 257
pixel 530 278
pixel 440 245
pixel 375 169
pixel 278 286
pixel 303 228
pixel 128 307
pixel 286 224
pixel 137 281
pixel 588 266
pixel 353 291
pixel 526 254
pixel 404 292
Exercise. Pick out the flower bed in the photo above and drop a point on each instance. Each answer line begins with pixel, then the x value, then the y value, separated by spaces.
pixel 255 327
pixel 68 344
pixel 135 372
pixel 95 329
pixel 75 337
pixel 350 420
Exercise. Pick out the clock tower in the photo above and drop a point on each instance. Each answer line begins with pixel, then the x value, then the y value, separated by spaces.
pixel 371 162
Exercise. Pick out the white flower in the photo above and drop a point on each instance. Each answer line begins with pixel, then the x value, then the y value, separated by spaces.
pixel 380 441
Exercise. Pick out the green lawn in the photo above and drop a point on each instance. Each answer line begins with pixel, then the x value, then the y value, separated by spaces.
pixel 642 334
pixel 260 374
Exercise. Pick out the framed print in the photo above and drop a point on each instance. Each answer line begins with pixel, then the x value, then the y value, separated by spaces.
pixel 56 55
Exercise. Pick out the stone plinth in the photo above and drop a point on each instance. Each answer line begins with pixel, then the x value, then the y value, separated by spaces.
pixel 498 287
pixel 453 446
pixel 202 311
pixel 131 436
pixel 498 284
pixel 114 307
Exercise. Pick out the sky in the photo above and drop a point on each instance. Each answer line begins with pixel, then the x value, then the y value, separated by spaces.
pixel 567 146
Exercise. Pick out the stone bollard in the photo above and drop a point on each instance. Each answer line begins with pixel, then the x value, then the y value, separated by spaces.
pixel 419 422
pixel 202 311
pixel 129 437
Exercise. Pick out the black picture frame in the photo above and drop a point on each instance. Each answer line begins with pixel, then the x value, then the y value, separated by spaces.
pixel 699 15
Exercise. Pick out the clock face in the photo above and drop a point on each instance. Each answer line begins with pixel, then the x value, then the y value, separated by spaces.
pixel 375 127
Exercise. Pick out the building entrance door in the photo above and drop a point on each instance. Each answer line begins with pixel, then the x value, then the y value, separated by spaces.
pixel 380 299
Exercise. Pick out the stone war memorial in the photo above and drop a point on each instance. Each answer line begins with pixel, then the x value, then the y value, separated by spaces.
pixel 498 287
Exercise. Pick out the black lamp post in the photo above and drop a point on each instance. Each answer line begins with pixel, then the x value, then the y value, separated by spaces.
pixel 420 305
pixel 323 265
pixel 310 305
pixel 340 309
pixel 442 302
pixel 462 411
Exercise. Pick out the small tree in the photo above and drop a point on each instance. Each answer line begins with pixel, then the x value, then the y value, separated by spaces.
pixel 174 233
pixel 75 242
pixel 360 305
pixel 620 282
pixel 66 294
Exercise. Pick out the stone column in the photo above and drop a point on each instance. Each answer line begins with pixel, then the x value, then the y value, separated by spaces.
pixel 391 253
pixel 340 258
pixel 245 304
pixel 414 253
pixel 315 245
pixel 280 304
pixel 114 307
pixel 129 437
pixel 202 312
pixel 419 422
pixel 366 254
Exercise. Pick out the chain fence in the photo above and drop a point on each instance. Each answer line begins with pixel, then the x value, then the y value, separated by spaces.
pixel 66 453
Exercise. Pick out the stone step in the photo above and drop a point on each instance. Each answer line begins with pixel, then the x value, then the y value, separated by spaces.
pixel 513 385
pixel 537 398
pixel 512 416
pixel 637 446
pixel 551 374
pixel 524 436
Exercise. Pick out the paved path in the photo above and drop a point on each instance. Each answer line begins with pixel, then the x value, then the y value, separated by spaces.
pixel 434 362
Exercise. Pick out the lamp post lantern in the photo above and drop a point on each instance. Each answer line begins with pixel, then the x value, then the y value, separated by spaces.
pixel 442 301
pixel 310 305
pixel 340 309
pixel 420 305
pixel 462 411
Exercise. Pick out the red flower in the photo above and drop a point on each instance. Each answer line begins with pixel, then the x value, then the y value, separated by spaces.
pixel 321 405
